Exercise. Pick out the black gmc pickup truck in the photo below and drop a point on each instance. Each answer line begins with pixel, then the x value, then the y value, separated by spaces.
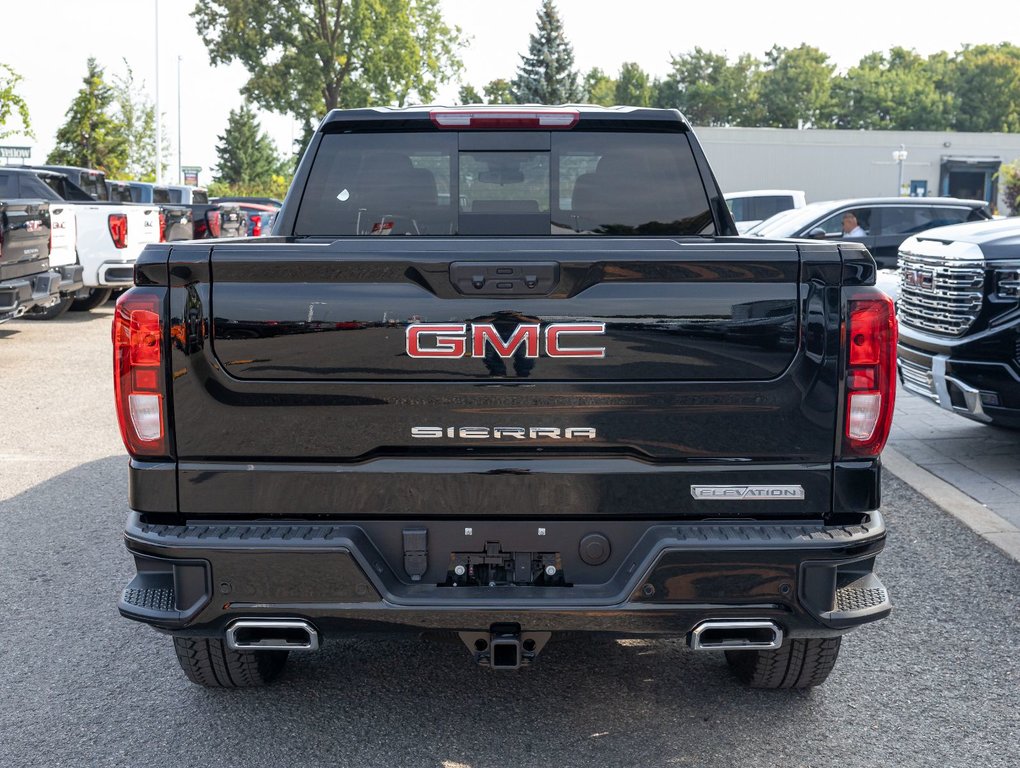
pixel 505 373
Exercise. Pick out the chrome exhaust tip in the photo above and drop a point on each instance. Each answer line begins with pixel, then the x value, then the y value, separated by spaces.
pixel 272 635
pixel 727 635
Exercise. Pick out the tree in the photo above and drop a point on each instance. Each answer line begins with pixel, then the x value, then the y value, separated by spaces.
pixel 547 75
pixel 796 87
pixel 633 86
pixel 598 88
pixel 498 92
pixel 306 57
pixel 137 116
pixel 468 95
pixel 986 80
pixel 11 102
pixel 1009 177
pixel 91 137
pixel 901 91
pixel 246 155
pixel 711 91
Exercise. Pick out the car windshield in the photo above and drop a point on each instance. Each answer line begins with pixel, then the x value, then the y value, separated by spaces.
pixel 790 222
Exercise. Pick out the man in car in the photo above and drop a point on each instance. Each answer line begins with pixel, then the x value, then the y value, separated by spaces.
pixel 850 226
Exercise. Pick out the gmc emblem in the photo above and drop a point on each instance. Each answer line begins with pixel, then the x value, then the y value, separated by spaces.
pixel 919 278
pixel 452 339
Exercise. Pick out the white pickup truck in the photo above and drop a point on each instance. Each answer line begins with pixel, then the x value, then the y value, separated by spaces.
pixel 107 237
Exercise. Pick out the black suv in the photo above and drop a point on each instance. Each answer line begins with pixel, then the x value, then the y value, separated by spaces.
pixel 886 221
pixel 959 313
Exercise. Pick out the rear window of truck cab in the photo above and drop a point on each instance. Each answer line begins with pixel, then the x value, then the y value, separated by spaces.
pixel 438 184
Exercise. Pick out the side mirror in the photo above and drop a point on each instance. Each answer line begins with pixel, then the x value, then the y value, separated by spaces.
pixel 817 233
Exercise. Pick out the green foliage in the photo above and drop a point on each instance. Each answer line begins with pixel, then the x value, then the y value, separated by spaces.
pixel 246 155
pixel 137 116
pixel 276 186
pixel 901 91
pixel 711 91
pixel 307 57
pixel 796 87
pixel 498 92
pixel 468 95
pixel 1009 179
pixel 986 80
pixel 633 86
pixel 598 88
pixel 11 103
pixel 92 137
pixel 546 75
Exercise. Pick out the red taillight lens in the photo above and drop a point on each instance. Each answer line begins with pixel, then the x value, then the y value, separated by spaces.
pixel 505 118
pixel 256 225
pixel 162 227
pixel 870 373
pixel 138 374
pixel 117 223
pixel 213 222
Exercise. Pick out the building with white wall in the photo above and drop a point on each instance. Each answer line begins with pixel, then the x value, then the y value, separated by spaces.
pixel 831 164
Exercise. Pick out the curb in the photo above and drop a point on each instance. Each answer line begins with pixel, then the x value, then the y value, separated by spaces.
pixel 984 522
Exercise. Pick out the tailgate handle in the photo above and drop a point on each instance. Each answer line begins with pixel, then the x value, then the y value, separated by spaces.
pixel 519 278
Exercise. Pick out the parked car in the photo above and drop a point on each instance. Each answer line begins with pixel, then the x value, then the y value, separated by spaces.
pixel 93 182
pixel 883 222
pixel 211 219
pixel 175 221
pixel 754 206
pixel 260 218
pixel 107 236
pixel 959 314
pixel 26 280
pixel 190 216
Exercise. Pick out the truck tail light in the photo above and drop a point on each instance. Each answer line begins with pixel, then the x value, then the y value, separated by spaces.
pixel 520 119
pixel 138 372
pixel 162 227
pixel 870 373
pixel 256 225
pixel 117 222
pixel 213 223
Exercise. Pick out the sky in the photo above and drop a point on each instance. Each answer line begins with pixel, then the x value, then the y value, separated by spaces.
pixel 603 34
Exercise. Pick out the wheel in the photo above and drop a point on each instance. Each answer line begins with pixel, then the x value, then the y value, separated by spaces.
pixel 797 664
pixel 210 663
pixel 52 312
pixel 90 298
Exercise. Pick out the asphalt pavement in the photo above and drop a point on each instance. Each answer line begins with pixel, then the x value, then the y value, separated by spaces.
pixel 936 684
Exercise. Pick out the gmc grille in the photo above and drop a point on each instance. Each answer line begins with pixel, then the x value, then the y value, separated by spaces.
pixel 939 295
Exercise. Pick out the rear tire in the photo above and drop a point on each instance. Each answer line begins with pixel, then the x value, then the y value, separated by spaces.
pixel 94 298
pixel 210 663
pixel 797 664
pixel 51 313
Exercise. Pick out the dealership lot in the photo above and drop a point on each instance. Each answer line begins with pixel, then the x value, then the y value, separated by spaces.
pixel 937 683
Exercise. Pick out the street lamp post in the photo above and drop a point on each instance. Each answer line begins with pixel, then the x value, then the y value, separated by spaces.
pixel 159 127
pixel 180 168
pixel 899 155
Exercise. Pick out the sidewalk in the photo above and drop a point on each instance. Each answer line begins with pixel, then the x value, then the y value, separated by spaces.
pixel 980 460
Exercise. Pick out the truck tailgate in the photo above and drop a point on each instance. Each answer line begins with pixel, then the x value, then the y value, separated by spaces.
pixel 24 234
pixel 608 378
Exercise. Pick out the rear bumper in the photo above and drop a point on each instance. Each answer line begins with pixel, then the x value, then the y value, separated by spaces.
pixel 812 580
pixel 116 274
pixel 21 294
pixel 71 278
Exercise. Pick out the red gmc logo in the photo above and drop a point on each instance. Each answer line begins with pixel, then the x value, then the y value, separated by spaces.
pixel 452 339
